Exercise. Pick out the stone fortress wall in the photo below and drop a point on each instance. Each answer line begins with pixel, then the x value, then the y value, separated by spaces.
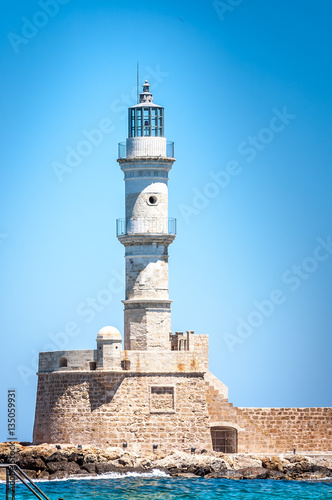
pixel 107 397
pixel 272 430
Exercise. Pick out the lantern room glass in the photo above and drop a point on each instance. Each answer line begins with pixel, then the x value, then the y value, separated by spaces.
pixel 146 121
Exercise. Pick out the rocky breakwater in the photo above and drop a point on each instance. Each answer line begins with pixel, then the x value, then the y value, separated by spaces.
pixel 48 462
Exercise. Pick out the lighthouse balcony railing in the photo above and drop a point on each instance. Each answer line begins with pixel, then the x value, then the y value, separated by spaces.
pixel 148 225
pixel 122 150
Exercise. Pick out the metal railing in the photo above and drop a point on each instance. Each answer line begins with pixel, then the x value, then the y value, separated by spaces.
pixel 13 471
pixel 170 149
pixel 122 150
pixel 148 225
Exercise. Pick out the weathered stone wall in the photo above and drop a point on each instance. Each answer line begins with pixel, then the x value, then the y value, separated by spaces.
pixel 178 361
pixel 76 360
pixel 200 345
pixel 168 398
pixel 147 277
pixel 108 409
pixel 173 410
pixel 272 430
pixel 147 325
pixel 277 430
pixel 109 356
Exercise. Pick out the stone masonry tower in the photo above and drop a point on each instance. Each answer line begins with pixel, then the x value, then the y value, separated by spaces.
pixel 146 232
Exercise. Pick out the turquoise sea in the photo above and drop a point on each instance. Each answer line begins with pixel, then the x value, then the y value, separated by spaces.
pixel 158 487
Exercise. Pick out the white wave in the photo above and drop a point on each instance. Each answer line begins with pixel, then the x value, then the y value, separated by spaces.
pixel 118 475
pixel 106 475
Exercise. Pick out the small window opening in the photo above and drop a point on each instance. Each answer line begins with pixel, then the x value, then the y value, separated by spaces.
pixel 125 364
pixel 63 362
pixel 152 200
pixel 93 365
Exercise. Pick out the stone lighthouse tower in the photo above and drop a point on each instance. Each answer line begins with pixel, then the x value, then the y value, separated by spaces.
pixel 146 232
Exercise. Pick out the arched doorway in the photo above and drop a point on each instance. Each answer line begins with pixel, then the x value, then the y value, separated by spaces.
pixel 224 439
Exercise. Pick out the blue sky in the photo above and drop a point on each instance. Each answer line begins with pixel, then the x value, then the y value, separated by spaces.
pixel 246 90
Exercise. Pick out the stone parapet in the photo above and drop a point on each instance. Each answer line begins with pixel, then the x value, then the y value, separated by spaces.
pixel 133 361
pixel 66 360
pixel 163 361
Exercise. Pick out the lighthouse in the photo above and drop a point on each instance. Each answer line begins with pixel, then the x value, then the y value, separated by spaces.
pixel 157 392
pixel 146 231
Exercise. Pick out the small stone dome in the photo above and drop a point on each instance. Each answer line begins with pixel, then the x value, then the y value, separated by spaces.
pixel 109 333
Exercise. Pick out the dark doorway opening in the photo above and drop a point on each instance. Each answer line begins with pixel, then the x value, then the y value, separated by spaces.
pixel 224 439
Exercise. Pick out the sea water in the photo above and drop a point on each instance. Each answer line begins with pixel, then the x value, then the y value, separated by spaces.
pixel 161 487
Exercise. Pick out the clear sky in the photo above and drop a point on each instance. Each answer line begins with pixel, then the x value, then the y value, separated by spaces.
pixel 246 87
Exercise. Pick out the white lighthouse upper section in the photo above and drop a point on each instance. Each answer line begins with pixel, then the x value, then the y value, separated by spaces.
pixel 146 128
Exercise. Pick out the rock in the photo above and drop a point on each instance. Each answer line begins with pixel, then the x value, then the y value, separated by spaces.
pixel 128 460
pixel 247 473
pixel 179 459
pixel 219 464
pixel 61 474
pixel 56 466
pixel 83 473
pixel 91 458
pixel 250 473
pixel 295 458
pixel 89 467
pixel 200 471
pixel 231 474
pixel 102 468
pixel 112 453
pixel 185 474
pixel 72 457
pixel 322 461
pixel 56 457
pixel 69 467
pixel 145 463
pixel 244 461
pixel 28 462
pixel 275 474
pixel 42 475
pixel 80 459
pixel 32 474
pixel 274 463
pixel 213 475
pixel 46 462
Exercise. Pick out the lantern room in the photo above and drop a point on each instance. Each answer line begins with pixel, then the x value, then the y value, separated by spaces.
pixel 146 119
